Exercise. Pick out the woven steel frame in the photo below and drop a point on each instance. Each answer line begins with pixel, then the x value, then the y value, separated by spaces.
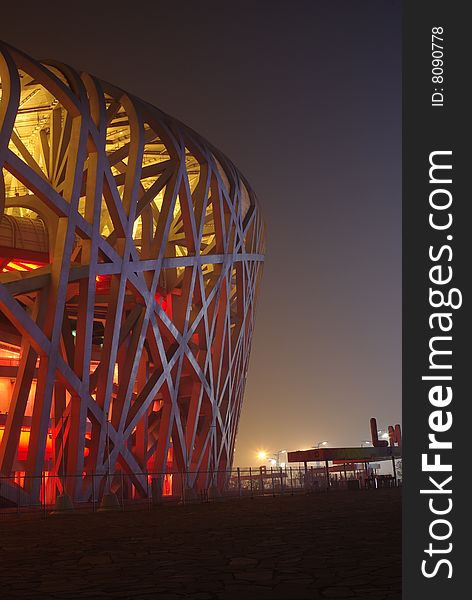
pixel 137 328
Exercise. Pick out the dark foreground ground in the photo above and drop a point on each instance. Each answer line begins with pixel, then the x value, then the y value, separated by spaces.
pixel 336 545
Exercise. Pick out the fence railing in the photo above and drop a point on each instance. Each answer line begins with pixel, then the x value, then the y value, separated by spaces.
pixel 120 490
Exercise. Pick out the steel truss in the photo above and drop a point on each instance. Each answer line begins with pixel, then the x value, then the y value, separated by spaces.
pixel 133 323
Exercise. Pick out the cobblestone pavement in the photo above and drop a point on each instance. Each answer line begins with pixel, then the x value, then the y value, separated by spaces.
pixel 319 546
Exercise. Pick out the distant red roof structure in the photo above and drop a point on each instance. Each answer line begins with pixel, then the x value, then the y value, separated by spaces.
pixel 360 454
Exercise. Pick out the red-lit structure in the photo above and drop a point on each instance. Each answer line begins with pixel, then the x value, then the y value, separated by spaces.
pixel 130 255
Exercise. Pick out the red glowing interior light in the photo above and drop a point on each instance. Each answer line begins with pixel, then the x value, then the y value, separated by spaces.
pixel 19 265
pixel 103 283
pixel 161 301
pixel 24 441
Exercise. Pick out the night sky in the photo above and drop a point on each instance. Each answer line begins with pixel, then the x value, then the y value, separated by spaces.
pixel 305 98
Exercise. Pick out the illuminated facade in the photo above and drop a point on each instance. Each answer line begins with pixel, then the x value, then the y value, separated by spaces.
pixel 130 255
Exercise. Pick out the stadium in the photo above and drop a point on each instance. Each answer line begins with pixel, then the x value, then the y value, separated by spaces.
pixel 131 252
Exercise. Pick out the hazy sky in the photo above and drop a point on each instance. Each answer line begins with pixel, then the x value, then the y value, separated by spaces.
pixel 305 98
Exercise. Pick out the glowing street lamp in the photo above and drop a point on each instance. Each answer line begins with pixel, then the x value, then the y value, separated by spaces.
pixel 273 458
pixel 262 455
pixel 318 445
pixel 276 459
pixel 383 434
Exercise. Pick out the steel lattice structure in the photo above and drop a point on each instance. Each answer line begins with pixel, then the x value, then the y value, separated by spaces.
pixel 130 255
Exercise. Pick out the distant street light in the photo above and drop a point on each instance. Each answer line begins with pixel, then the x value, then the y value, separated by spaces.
pixel 318 445
pixel 276 459
pixel 384 435
pixel 262 455
pixel 272 458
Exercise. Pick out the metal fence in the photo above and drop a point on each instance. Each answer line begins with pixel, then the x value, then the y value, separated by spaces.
pixel 52 493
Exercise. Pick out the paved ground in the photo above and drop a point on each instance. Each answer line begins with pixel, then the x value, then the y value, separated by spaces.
pixel 320 546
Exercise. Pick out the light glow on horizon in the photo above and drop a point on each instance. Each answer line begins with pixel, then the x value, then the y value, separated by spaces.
pixel 262 455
